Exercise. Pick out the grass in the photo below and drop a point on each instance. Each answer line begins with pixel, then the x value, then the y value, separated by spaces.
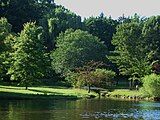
pixel 126 92
pixel 10 92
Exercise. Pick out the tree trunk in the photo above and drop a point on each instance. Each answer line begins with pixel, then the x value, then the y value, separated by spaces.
pixel 131 84
pixel 26 87
pixel 89 88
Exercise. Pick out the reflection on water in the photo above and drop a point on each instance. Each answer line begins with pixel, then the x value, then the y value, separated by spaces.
pixel 78 110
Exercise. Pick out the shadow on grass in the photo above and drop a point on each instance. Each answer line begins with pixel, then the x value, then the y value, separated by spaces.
pixel 13 88
pixel 44 91
pixel 38 87
pixel 20 96
pixel 55 87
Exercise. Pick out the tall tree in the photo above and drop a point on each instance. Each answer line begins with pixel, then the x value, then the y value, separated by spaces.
pixel 19 12
pixel 29 57
pixel 5 46
pixel 131 55
pixel 57 21
pixel 151 34
pixel 75 48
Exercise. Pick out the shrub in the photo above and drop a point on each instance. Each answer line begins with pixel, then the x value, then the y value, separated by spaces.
pixel 105 77
pixel 73 79
pixel 151 85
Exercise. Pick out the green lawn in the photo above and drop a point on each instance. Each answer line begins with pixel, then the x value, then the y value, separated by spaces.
pixel 126 92
pixel 42 92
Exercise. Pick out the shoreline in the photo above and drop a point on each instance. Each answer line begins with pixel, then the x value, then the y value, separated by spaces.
pixel 133 98
pixel 131 95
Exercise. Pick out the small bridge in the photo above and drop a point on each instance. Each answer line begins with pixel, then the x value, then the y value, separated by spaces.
pixel 99 91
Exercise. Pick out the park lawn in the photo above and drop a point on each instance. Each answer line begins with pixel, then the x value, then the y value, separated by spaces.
pixel 12 92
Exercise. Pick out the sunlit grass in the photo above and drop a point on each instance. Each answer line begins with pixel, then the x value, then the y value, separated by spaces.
pixel 126 92
pixel 48 91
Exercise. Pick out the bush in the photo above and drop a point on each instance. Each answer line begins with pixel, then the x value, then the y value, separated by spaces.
pixel 105 77
pixel 151 85
pixel 97 77
pixel 73 79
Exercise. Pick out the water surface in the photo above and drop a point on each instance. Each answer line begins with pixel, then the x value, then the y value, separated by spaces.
pixel 94 109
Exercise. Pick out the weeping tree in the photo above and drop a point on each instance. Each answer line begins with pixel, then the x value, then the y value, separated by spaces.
pixel 29 56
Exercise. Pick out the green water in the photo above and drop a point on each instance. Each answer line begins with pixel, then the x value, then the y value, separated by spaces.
pixel 78 110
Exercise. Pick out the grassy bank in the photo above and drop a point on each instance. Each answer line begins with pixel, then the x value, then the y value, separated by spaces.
pixel 10 92
pixel 127 94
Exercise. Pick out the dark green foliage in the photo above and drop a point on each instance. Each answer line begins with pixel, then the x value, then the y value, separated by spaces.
pixel 151 34
pixel 57 21
pixel 103 28
pixel 19 12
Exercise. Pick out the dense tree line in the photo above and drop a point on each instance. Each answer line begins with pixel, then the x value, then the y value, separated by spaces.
pixel 39 39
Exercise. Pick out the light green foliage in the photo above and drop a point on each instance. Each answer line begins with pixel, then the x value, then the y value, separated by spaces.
pixel 105 77
pixel 29 57
pixel 74 49
pixel 151 85
pixel 137 46
pixel 5 30
pixel 74 79
pixel 5 45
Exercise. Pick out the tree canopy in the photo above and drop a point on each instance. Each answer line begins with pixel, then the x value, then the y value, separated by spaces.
pixel 75 48
pixel 29 57
pixel 103 28
pixel 5 46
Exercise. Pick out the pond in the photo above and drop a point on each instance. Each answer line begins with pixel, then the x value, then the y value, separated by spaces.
pixel 93 109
